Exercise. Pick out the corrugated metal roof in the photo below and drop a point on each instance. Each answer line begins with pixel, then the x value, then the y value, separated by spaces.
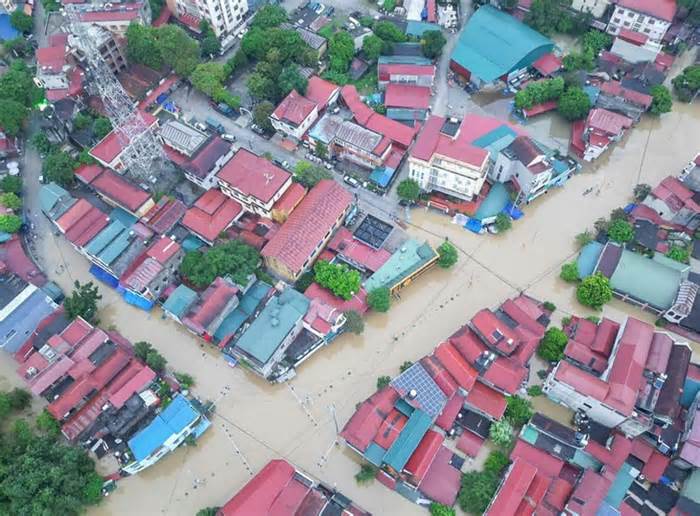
pixel 418 424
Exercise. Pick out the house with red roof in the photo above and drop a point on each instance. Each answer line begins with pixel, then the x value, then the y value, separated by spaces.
pixel 602 127
pixel 674 203
pixel 110 149
pixel 116 189
pixel 444 159
pixel 163 215
pixel 282 490
pixel 286 204
pixel 650 17
pixel 117 17
pixel 294 115
pixel 81 223
pixel 325 316
pixel 213 306
pixel 403 97
pixel 409 74
pixel 293 249
pixel 253 181
pixel 211 214
pixel 56 70
pixel 356 253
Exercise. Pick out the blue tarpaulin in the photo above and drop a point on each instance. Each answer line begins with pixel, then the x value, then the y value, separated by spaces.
pixel 474 225
pixel 7 31
pixel 514 212
pixel 138 301
pixel 162 98
pixel 104 276
pixel 629 208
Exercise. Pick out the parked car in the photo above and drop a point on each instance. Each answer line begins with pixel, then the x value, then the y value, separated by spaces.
pixel 215 124
pixel 228 137
pixel 328 166
pixel 351 181
pixel 200 126
pixel 225 109
pixel 257 129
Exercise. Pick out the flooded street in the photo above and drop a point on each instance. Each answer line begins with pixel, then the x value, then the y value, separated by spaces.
pixel 298 421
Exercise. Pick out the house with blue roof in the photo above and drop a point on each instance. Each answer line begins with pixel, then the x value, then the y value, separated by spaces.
pixel 494 45
pixel 113 250
pixel 168 430
pixel 179 302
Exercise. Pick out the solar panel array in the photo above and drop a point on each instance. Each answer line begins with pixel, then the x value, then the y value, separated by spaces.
pixel 373 231
pixel 429 397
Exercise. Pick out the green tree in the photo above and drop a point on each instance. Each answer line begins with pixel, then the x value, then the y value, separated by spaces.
pixel 340 279
pixel 142 46
pixel 405 366
pixel 10 223
pixel 179 51
pixel 82 121
pixel 389 5
pixel 594 291
pixel 141 349
pixel 383 381
pixel 19 46
pixel 46 423
pixel 19 399
pixel 641 191
pixel 503 223
pixel 208 511
pixel 534 390
pixel 448 255
pixel 569 272
pixel 5 407
pixel 552 345
pixel 291 79
pixel 236 63
pixel 366 474
pixel 579 61
pixel 101 127
pixel 208 77
pixel 595 41
pixel 261 115
pixel 185 380
pixel 661 100
pixel 304 281
pixel 50 6
pixel 431 43
pixel 476 491
pixel 17 84
pixel 12 116
pixel 438 509
pixel 10 200
pixel 11 184
pixel 59 167
pixel 388 32
pixel 408 189
pixel 41 143
pixel 584 238
pixel 620 231
pixel 321 150
pixel 156 361
pixel 269 16
pixel 210 43
pixel 341 49
pixel 539 92
pixel 518 410
pixel 545 15
pixel 372 47
pixel 496 462
pixel 309 174
pixel 232 258
pixel 83 302
pixel 574 104
pixel 379 299
pixel 353 322
pixel 156 7
pixel 22 22
pixel 501 433
pixel 679 254
pixel 687 84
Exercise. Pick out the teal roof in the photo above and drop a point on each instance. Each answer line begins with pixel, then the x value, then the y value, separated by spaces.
pixel 586 461
pixel 180 301
pixel 691 488
pixel 192 243
pixel 276 320
pixel 412 60
pixel 497 140
pixel 408 440
pixel 105 237
pixel 54 200
pixel 588 258
pixel 494 43
pixel 246 306
pixel 417 28
pixel 646 280
pixel 123 216
pixel 497 199
pixel 409 258
pixel 115 248
pixel 618 489
pixel 404 407
pixel 374 454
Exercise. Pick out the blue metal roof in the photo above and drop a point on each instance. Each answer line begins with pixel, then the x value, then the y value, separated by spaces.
pixel 374 454
pixel 247 305
pixel 180 301
pixel 115 248
pixel 173 420
pixel 7 31
pixel 54 200
pixel 123 216
pixel 382 176
pixel 494 43
pixel 497 140
pixel 497 199
pixel 104 238
pixel 416 28
pixel 21 322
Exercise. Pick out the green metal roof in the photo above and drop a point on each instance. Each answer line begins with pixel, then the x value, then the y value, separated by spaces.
pixel 497 140
pixel 105 237
pixel 115 248
pixel 417 28
pixel 180 301
pixel 408 440
pixel 409 258
pixel 588 258
pixel 54 200
pixel 691 488
pixel 494 43
pixel 618 489
pixel 374 454
pixel 276 320
pixel 247 305
pixel 646 280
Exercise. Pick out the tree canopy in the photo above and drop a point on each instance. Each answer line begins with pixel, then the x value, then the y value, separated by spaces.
pixel 379 299
pixel 166 45
pixel 661 100
pixel 574 104
pixel 22 22
pixel 291 79
pixel 150 356
pixel 11 184
pixel 372 47
pixel 210 43
pixel 448 255
pixel 232 258
pixel 269 16
pixel 478 487
pixel 83 302
pixel 539 92
pixel 10 200
pixel 518 410
pixel 620 231
pixel 408 189
pixel 340 279
pixel 388 32
pixel 309 174
pixel 17 84
pixel 431 43
pixel 679 254
pixel 501 433
pixel 12 116
pixel 341 49
pixel 594 291
pixel 59 167
pixel 569 272
pixel 687 84
pixel 10 223
pixel 261 115
pixel 552 345
pixel 503 222
pixel 438 509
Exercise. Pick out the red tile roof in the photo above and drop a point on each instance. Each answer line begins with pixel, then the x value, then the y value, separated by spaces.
pixel 463 373
pixel 581 381
pixel 589 494
pixel 442 481
pixel 547 64
pixel 659 353
pixel 290 198
pixel 407 96
pixel 386 70
pixel 440 375
pixel 343 243
pixel 217 295
pixel 538 109
pixel 163 249
pixel 120 190
pixel 390 429
pixel 320 91
pixel 211 214
pixel 447 417
pixel 545 463
pixel 294 109
pixel 642 449
pixel 82 222
pixel 608 122
pixel 663 9
pixel 487 400
pixel 655 467
pixel 111 146
pixel 505 375
pixel 363 425
pixel 419 463
pixel 52 58
pixel 511 495
pixel 162 87
pixel 664 60
pixel 163 216
pixel 259 495
pixel 495 332
pixel 111 15
pixel 135 385
pixel 468 344
pixel 253 175
pixel 614 456
pixel 432 141
pixel 88 173
pixel 308 225
pixel 585 356
pixel 358 303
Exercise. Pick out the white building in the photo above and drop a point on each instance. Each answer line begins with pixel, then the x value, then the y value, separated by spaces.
pixel 595 7
pixel 294 115
pixel 649 17
pixel 116 17
pixel 441 160
pixel 226 17
pixel 525 165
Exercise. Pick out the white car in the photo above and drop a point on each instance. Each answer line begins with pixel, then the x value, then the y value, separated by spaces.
pixel 228 137
pixel 328 166
pixel 200 126
pixel 351 181
pixel 285 165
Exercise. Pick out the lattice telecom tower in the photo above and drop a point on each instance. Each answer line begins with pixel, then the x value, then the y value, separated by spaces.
pixel 141 147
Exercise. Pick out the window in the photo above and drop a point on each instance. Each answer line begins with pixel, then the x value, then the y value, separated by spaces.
pixel 617 20
pixel 630 14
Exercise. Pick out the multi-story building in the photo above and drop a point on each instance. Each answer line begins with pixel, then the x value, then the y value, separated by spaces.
pixel 253 181
pixel 595 7
pixel 443 160
pixel 116 17
pixel 109 44
pixel 225 17
pixel 649 17
pixel 294 115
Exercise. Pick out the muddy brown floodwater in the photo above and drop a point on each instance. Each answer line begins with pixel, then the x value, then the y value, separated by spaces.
pixel 256 422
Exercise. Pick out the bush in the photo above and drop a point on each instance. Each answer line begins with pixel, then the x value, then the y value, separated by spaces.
pixel 438 509
pixel 518 410
pixel 185 380
pixel 549 306
pixel 448 255
pixel 383 381
pixel 501 433
pixel 687 84
pixel 574 104
pixel 641 191
pixel 232 258
pixel 11 184
pixel 594 291
pixel 569 272
pixel 353 322
pixel 308 174
pixel 503 222
pixel 405 366
pixel 552 345
pixel 48 424
pixel 539 92
pixel 476 491
pixel 431 43
pixel 408 190
pixel 379 300
pixel 11 201
pixel 19 399
pixel 620 231
pixel 542 374
pixel 535 390
pixel 496 462
pixel 338 278
pixel 366 474
pixel 679 254
pixel 661 100
pixel 10 223
pixel 584 238
pixel 304 281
